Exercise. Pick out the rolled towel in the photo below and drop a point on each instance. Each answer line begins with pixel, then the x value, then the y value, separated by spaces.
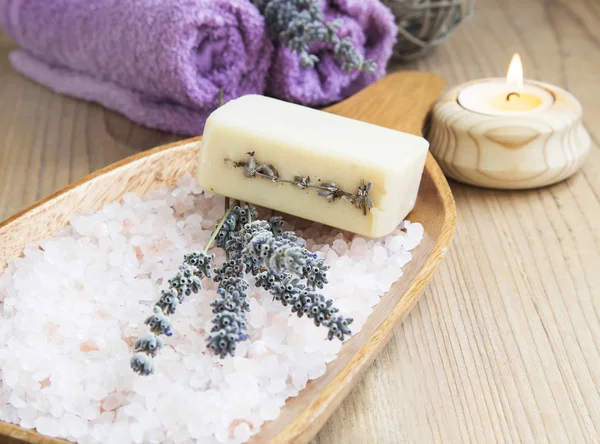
pixel 160 63
pixel 371 27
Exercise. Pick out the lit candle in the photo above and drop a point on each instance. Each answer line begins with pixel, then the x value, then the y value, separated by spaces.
pixel 508 133
pixel 506 97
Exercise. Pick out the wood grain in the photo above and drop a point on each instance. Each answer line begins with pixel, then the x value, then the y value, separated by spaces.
pixel 509 152
pixel 504 345
pixel 399 101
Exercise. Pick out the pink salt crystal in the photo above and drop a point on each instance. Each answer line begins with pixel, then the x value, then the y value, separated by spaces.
pixel 359 246
pixel 340 246
pixel 88 346
pixel 112 402
pixel 50 328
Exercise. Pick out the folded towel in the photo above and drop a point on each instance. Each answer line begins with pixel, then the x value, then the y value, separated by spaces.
pixel 160 63
pixel 372 29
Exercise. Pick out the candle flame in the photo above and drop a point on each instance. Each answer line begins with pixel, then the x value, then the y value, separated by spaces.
pixel 514 77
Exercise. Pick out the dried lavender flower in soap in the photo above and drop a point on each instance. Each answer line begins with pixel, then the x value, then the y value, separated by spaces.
pixel 331 191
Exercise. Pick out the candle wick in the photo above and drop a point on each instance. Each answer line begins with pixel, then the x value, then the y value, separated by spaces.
pixel 512 94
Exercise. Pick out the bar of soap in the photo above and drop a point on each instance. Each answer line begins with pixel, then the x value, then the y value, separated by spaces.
pixel 319 166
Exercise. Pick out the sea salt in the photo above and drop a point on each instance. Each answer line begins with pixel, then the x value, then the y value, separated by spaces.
pixel 72 306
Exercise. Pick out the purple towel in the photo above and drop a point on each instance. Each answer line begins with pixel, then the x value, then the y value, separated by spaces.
pixel 371 27
pixel 161 63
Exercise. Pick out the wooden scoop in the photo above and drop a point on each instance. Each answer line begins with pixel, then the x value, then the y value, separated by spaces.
pixel 399 101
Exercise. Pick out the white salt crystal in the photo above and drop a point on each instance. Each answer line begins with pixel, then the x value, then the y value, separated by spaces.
pixel 414 235
pixel 137 432
pixel 340 246
pixel 258 348
pixel 11 377
pixel 77 427
pixel 47 426
pixel 269 410
pixel 299 379
pixel 379 255
pixel 16 401
pixel 242 432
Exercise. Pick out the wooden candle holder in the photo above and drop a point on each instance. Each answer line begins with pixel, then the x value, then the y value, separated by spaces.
pixel 509 152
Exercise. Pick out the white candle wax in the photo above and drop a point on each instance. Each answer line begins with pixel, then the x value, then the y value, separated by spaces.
pixel 495 97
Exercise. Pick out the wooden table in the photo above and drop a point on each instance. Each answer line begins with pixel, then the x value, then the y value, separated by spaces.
pixel 505 343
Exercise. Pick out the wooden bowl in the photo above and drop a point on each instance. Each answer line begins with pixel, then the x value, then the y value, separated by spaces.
pixel 400 101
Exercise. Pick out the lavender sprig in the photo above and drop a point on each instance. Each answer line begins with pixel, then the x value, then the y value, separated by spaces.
pixel 229 323
pixel 188 280
pixel 282 258
pixel 298 24
pixel 195 266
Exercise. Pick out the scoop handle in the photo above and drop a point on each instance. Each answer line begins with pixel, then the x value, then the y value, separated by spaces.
pixel 399 101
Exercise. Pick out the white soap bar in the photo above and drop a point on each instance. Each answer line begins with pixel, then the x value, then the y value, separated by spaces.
pixel 292 142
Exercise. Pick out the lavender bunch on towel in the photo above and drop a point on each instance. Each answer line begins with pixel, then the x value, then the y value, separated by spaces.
pixel 352 40
pixel 298 24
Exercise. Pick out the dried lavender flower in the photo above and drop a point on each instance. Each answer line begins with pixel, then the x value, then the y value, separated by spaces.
pixel 159 323
pixel 298 24
pixel 276 225
pixel 279 255
pixel 266 279
pixel 225 341
pixel 185 282
pixel 233 302
pixel 286 289
pixel 226 231
pixel 149 344
pixel 362 199
pixel 142 363
pixel 321 310
pixel 289 236
pixel 201 261
pixel 232 268
pixel 315 272
pixel 302 182
pixel 168 301
pixel 331 191
pixel 338 327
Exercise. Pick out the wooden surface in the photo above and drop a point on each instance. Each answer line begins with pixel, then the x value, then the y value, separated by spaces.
pixel 526 152
pixel 399 101
pixel 504 346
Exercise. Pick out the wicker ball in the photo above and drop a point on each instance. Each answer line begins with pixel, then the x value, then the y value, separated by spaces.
pixel 423 24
